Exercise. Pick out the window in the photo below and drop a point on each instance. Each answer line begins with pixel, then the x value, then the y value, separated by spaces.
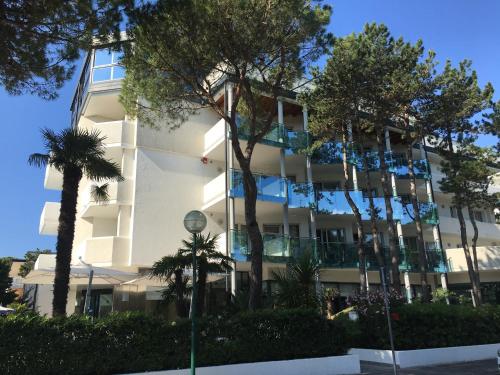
pixel 331 235
pixel 107 65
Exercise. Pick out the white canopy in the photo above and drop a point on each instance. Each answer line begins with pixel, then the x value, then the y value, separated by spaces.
pixel 5 310
pixel 79 275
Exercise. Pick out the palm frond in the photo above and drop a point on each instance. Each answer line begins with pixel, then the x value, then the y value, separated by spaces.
pixel 99 169
pixel 99 194
pixel 38 160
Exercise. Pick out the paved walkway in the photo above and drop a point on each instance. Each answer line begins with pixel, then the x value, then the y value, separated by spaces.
pixel 468 368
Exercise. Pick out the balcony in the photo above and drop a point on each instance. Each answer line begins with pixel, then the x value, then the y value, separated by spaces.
pixel 119 193
pixel 269 188
pixel 488 258
pixel 449 225
pixel 101 74
pixel 282 249
pixel 116 133
pixel 331 153
pixel 53 179
pixel 106 251
pixel 49 220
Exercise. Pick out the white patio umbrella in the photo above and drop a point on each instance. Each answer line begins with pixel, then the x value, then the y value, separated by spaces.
pixel 79 275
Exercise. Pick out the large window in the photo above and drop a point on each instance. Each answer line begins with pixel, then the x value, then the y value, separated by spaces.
pixel 107 66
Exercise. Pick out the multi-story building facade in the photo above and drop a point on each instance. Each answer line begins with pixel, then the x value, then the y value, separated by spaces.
pixel 300 202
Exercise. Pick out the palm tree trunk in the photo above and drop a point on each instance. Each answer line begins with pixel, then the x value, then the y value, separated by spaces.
pixel 422 264
pixel 180 293
pixel 391 224
pixel 202 285
pixel 474 246
pixel 357 217
pixel 65 236
pixel 476 290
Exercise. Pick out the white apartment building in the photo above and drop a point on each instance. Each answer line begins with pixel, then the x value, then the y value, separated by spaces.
pixel 300 204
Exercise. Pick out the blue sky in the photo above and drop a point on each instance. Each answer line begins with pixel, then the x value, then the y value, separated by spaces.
pixel 455 29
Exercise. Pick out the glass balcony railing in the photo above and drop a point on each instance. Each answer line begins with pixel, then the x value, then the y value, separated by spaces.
pixel 100 65
pixel 277 248
pixel 275 137
pixel 302 195
pixel 282 249
pixel 269 188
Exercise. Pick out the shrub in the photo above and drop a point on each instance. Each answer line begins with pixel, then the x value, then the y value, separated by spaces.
pixel 420 326
pixel 131 342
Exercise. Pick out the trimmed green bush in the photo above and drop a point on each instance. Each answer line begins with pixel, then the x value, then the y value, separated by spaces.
pixel 422 326
pixel 131 342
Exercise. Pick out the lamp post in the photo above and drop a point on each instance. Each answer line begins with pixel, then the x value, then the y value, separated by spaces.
pixel 194 222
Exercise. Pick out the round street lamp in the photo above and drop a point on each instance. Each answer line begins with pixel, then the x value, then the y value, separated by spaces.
pixel 194 222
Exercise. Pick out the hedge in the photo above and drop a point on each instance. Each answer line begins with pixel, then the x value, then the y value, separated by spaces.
pixel 131 342
pixel 421 326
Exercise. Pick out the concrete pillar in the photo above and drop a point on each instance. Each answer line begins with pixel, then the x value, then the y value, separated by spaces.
pixel 354 170
pixel 408 287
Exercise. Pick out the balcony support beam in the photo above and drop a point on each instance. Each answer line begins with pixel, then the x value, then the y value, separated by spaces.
pixel 408 287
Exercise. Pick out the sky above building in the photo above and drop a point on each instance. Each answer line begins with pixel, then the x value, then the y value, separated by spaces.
pixel 454 29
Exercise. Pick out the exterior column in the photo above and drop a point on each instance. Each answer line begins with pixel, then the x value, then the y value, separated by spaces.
pixel 408 286
pixel 286 225
pixel 231 222
pixel 436 235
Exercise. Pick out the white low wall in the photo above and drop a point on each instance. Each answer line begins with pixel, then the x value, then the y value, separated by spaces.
pixel 345 364
pixel 427 357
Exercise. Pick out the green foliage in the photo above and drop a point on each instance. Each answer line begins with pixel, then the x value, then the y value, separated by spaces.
pixel 42 39
pixel 130 342
pixel 7 295
pixel 421 326
pixel 296 285
pixel 440 295
pixel 29 261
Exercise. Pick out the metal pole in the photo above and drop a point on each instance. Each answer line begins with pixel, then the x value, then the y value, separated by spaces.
pixel 193 312
pixel 86 306
pixel 388 313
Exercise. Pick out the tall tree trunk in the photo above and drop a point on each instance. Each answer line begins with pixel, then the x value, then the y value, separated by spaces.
pixel 476 290
pixel 474 247
pixel 391 224
pixel 422 263
pixel 202 284
pixel 255 237
pixel 65 236
pixel 377 248
pixel 357 216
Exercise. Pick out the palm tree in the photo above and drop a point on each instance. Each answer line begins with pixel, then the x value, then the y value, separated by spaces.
pixel 177 289
pixel 296 285
pixel 75 153
pixel 208 261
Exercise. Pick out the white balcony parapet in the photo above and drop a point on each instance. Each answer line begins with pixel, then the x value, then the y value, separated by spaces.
pixel 488 258
pixel 119 193
pixel 53 179
pixel 213 191
pixel 214 137
pixel 116 133
pixel 109 251
pixel 450 225
pixel 49 219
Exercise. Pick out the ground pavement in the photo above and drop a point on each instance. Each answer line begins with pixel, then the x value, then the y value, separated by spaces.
pixel 468 368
